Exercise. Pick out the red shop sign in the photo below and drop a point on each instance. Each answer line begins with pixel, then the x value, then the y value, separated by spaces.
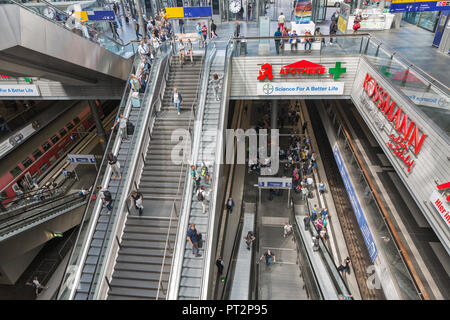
pixel 302 67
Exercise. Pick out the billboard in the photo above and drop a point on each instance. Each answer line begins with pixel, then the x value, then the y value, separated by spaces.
pixel 303 11
pixel 418 5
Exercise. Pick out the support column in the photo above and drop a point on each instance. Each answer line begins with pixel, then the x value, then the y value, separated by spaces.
pixel 444 46
pixel 274 116
pixel 98 124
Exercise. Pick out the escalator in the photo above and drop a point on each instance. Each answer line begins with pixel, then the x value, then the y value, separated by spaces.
pixel 37 45
pixel 19 221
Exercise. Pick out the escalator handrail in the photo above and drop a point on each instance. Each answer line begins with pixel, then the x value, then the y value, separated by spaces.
pixel 111 140
pixel 4 228
pixel 62 24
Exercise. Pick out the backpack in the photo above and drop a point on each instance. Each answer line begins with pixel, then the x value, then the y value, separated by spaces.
pixel 107 195
pixel 200 196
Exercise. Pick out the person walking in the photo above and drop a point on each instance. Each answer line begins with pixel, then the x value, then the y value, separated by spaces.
pixel 277 40
pixel 216 82
pixel 136 29
pixel 333 30
pixel 204 32
pixel 230 205
pixel 106 197
pixel 122 121
pixel 193 237
pixel 219 264
pixel 181 52
pixel 199 33
pixel 181 25
pixel 315 243
pixel 345 266
pixel 115 165
pixel 281 21
pixel 237 29
pixel 357 23
pixel 37 285
pixel 287 229
pixel 249 238
pixel 213 30
pixel 137 198
pixel 269 257
pixel 177 99
pixel 190 50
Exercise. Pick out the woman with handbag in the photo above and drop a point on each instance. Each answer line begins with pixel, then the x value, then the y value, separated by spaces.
pixel 357 23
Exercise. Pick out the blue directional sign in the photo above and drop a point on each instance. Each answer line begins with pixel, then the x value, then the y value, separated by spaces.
pixel 418 6
pixel 367 235
pixel 274 184
pixel 197 12
pixel 81 158
pixel 100 15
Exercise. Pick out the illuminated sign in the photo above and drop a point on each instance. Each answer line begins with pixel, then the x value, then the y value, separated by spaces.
pixel 302 67
pixel 441 206
pixel 409 136
pixel 316 88
pixel 444 186
pixel 418 5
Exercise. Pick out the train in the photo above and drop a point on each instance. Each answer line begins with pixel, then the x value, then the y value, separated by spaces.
pixel 33 159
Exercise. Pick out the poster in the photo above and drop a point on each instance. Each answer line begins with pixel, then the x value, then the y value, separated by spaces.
pixel 303 11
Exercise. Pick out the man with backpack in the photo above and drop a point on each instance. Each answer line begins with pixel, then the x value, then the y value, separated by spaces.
pixel 122 121
pixel 201 196
pixel 193 237
pixel 106 197
pixel 137 198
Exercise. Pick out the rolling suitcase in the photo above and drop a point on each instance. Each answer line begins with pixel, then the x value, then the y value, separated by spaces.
pixel 135 101
pixel 130 128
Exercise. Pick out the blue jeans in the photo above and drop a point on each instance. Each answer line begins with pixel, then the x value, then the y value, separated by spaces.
pixel 177 105
pixel 269 261
pixel 277 46
pixel 306 43
pixel 182 28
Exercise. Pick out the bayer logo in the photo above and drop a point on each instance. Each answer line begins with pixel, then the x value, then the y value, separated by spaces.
pixel 268 88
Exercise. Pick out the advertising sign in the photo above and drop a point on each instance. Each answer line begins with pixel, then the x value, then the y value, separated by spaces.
pixel 440 204
pixel 367 235
pixel 299 88
pixel 303 11
pixel 81 158
pixel 418 5
pixel 342 24
pixel 15 139
pixel 19 90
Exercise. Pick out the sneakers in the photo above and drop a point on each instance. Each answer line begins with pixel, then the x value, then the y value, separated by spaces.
pixel 178 113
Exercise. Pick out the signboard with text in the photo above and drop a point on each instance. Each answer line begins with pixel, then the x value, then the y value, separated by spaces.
pixel 299 88
pixel 367 235
pixel 275 182
pixel 81 158
pixel 418 6
pixel 19 90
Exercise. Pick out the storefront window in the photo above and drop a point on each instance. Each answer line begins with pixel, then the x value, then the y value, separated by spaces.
pixel 426 19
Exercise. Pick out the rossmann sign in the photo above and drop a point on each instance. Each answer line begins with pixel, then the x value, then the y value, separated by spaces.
pixel 408 141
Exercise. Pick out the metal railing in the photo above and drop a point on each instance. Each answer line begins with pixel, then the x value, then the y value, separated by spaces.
pixel 66 289
pixel 125 50
pixel 183 169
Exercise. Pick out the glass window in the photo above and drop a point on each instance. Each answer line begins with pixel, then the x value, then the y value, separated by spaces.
pixel 52 160
pixel 69 125
pixel 35 175
pixel 46 146
pixel 54 139
pixel 16 171
pixel 44 168
pixel 60 152
pixel 62 132
pixel 76 120
pixel 36 154
pixel 27 162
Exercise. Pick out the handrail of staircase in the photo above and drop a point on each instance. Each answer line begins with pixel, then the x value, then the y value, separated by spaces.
pixel 63 25
pixel 180 237
pixel 123 183
pixel 112 146
pixel 229 52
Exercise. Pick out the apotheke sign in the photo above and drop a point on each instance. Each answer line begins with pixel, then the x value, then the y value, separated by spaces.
pixel 301 67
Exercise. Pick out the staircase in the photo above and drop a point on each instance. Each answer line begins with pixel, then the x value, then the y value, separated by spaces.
pixel 192 270
pixel 140 260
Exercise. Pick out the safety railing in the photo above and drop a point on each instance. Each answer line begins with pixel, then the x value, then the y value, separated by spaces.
pixel 40 213
pixel 409 284
pixel 429 94
pixel 72 23
pixel 73 269
pixel 327 258
pixel 185 166
pixel 125 182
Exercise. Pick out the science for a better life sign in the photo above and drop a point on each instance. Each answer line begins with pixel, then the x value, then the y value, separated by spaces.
pixel 18 90
pixel 299 88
